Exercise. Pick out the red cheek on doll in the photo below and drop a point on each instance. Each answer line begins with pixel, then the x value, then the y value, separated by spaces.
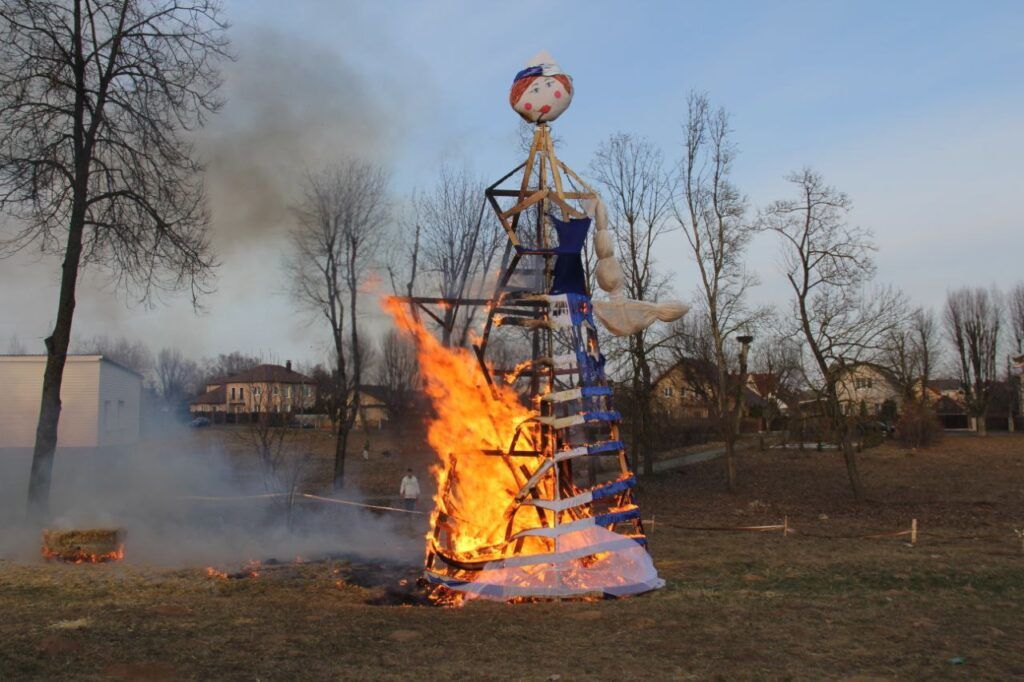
pixel 527 106
pixel 545 109
pixel 558 94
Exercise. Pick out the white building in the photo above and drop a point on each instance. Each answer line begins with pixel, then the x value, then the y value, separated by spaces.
pixel 99 402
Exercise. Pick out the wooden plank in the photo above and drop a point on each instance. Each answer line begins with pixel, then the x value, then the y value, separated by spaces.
pixel 509 228
pixel 526 203
pixel 567 195
pixel 578 179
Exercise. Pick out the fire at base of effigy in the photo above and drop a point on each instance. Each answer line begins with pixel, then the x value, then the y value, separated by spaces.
pixel 509 522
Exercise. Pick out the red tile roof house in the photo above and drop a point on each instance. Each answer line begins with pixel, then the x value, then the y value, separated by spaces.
pixel 264 389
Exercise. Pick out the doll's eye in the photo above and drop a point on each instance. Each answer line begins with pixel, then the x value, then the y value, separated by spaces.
pixel 535 90
pixel 547 83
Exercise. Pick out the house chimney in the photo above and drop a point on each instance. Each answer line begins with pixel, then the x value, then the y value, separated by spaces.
pixel 288 365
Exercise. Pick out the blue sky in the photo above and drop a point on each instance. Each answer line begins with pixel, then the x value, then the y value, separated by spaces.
pixel 912 108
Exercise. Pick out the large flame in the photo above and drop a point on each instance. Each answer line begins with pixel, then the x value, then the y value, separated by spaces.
pixel 472 422
pixel 479 433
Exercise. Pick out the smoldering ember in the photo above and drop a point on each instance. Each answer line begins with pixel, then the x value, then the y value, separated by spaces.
pixel 321 363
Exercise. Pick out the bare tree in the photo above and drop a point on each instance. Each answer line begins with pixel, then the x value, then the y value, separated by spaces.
pixel 15 346
pixel 713 217
pixel 95 98
pixel 177 377
pixel 227 364
pixel 1015 310
pixel 457 247
pixel 342 221
pixel 828 264
pixel 972 318
pixel 282 452
pixel 630 170
pixel 777 359
pixel 135 355
pixel 398 373
pixel 910 352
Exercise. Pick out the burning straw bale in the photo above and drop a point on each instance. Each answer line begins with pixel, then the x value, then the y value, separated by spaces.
pixel 94 545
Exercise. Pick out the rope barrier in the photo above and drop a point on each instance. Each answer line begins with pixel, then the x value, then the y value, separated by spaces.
pixel 335 500
pixel 789 530
pixel 307 496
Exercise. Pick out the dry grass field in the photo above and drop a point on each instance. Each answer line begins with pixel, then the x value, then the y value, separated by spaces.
pixel 820 603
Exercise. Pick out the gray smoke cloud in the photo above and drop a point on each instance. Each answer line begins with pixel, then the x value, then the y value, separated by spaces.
pixel 291 106
pixel 186 508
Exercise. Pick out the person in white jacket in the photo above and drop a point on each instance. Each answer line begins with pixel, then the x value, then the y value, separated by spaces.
pixel 409 490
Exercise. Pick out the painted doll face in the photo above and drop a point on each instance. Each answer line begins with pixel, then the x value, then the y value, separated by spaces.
pixel 544 99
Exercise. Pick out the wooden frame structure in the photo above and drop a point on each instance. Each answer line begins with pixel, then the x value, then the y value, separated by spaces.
pixel 574 418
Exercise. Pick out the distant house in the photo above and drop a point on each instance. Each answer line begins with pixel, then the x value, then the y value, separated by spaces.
pixel 942 388
pixel 869 389
pixel 951 407
pixel 99 402
pixel 683 390
pixel 264 389
pixel 373 406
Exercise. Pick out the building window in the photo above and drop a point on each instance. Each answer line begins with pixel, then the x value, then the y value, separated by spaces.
pixel 276 390
pixel 667 391
pixel 307 390
pixel 232 392
pixel 257 391
pixel 241 394
pixel 862 383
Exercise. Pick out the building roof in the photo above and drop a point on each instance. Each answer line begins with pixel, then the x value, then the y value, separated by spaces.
pixel 947 406
pixel 276 374
pixel 884 372
pixel 690 367
pixel 71 357
pixel 379 393
pixel 765 383
pixel 215 397
pixel 695 369
pixel 944 384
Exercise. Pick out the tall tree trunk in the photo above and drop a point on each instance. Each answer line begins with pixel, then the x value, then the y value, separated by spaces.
pixel 58 341
pixel 730 461
pixel 845 441
pixel 56 356
pixel 642 440
pixel 340 448
pixel 850 456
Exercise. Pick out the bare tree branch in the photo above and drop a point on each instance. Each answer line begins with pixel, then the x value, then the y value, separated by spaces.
pixel 343 220
pixel 96 98
pixel 842 319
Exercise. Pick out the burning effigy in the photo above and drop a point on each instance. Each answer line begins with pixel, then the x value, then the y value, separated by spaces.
pixel 535 497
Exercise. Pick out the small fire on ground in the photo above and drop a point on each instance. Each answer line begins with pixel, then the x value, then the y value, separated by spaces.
pixel 250 570
pixel 90 546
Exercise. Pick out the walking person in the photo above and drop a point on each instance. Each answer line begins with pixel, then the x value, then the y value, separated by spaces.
pixel 409 490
